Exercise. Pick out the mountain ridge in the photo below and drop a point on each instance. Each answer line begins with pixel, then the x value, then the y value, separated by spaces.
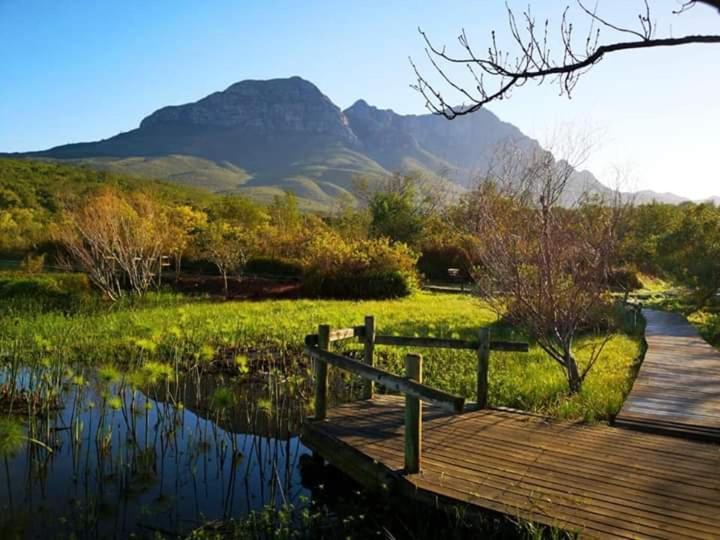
pixel 263 137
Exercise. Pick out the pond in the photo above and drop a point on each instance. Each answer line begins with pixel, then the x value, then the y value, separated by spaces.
pixel 107 454
pixel 157 452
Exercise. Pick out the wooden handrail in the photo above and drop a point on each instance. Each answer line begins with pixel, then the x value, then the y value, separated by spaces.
pixel 443 343
pixel 413 417
pixel 421 342
pixel 339 334
pixel 389 380
pixel 317 347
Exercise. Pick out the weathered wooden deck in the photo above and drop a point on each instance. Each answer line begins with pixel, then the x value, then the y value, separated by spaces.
pixel 599 481
pixel 677 390
pixel 654 480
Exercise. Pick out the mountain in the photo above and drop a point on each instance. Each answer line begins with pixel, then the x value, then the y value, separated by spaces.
pixel 647 196
pixel 263 137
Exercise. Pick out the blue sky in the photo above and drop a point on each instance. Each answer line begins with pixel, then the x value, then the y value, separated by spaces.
pixel 86 70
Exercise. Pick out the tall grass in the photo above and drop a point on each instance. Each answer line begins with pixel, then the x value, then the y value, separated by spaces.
pixel 172 329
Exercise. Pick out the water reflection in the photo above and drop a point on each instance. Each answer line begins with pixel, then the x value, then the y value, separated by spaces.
pixel 164 455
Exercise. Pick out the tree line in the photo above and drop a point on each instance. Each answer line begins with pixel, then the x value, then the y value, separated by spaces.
pixel 547 263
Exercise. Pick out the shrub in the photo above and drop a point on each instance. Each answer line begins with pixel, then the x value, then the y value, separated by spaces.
pixel 33 264
pixel 368 284
pixel 435 261
pixel 337 267
pixel 624 279
pixel 44 291
pixel 274 266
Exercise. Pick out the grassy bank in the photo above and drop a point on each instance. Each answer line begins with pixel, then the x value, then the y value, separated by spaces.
pixel 177 329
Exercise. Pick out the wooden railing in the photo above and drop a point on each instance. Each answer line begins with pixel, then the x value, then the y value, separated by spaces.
pixel 317 346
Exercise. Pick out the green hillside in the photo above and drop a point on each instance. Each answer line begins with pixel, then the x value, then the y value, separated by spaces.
pixel 184 170
pixel 47 185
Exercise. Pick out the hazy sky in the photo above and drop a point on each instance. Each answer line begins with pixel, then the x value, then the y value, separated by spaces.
pixel 86 70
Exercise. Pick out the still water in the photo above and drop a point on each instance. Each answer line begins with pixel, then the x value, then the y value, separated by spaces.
pixel 112 458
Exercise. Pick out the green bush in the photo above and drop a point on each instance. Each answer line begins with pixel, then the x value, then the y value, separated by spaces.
pixel 273 266
pixel 435 261
pixel 339 267
pixel 45 292
pixel 624 279
pixel 365 285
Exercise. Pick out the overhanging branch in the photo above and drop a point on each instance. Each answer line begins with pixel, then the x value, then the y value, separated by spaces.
pixel 534 61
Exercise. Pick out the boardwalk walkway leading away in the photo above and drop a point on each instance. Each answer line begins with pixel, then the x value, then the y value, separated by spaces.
pixel 677 390
pixel 654 480
pixel 598 481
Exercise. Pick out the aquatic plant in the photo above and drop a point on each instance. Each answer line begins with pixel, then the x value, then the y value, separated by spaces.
pixel 253 338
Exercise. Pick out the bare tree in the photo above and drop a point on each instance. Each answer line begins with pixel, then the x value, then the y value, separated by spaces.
pixel 543 265
pixel 227 247
pixel 116 240
pixel 497 72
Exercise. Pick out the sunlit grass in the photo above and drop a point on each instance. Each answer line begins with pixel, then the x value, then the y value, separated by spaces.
pixel 181 330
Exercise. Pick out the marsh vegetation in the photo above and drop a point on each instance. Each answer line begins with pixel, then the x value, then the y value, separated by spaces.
pixel 142 393
pixel 164 414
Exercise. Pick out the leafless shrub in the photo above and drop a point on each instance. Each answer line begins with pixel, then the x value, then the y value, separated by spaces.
pixel 545 265
pixel 116 240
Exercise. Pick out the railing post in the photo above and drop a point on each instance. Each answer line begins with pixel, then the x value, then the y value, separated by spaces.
pixel 368 352
pixel 483 367
pixel 413 417
pixel 321 374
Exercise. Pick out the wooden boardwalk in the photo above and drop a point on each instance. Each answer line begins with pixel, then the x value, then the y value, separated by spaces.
pixel 598 481
pixel 677 390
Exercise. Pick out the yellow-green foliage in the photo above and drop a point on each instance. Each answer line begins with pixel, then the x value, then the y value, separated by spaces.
pixel 195 330
pixel 339 267
pixel 707 322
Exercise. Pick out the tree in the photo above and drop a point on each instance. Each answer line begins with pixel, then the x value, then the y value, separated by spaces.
pixel 400 206
pixel 496 73
pixel 116 239
pixel 284 212
pixel 237 211
pixel 692 250
pixel 21 229
pixel 184 223
pixel 227 246
pixel 646 228
pixel 544 266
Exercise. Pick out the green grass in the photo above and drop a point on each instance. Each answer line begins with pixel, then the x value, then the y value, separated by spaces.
pixel 707 322
pixel 172 328
pixel 180 169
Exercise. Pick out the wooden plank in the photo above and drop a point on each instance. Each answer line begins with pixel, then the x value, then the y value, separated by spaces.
pixel 359 332
pixel 677 390
pixel 619 447
pixel 425 342
pixel 483 367
pixel 413 417
pixel 509 346
pixel 443 343
pixel 369 353
pixel 389 380
pixel 631 468
pixel 341 334
pixel 359 467
pixel 321 374
pixel 497 442
pixel 520 465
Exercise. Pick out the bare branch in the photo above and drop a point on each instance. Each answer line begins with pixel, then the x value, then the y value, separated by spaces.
pixel 534 60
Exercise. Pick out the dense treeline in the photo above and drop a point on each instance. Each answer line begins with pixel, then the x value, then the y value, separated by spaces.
pixel 32 193
pixel 76 215
pixel 677 242
pixel 546 267
pixel 122 231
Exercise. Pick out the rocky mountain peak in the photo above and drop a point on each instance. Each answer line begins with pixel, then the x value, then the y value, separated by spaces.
pixel 273 106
